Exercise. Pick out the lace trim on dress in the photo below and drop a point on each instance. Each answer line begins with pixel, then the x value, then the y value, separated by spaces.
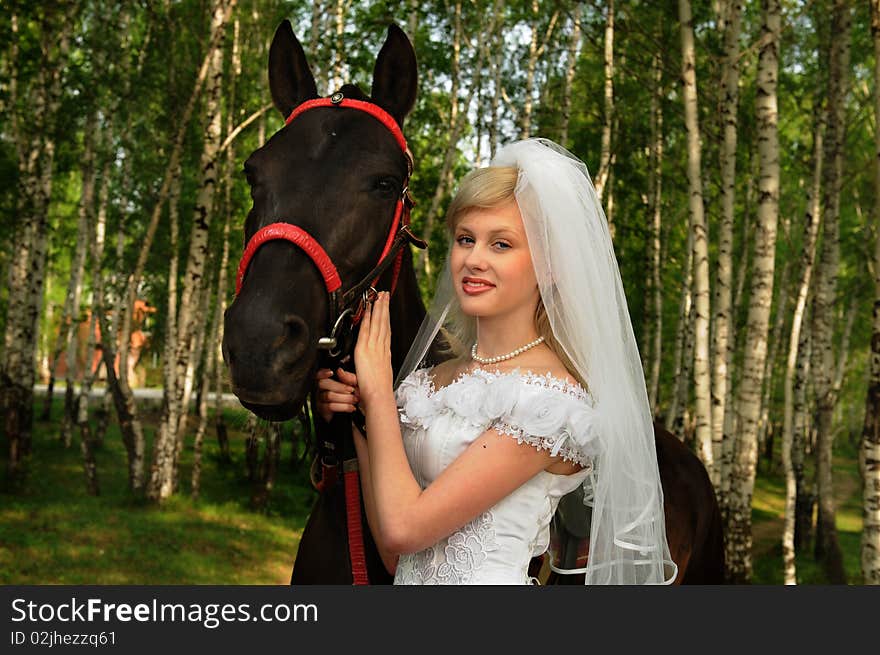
pixel 453 561
pixel 556 445
pixel 545 411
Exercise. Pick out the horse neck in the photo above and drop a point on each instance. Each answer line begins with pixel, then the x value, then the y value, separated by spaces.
pixel 407 311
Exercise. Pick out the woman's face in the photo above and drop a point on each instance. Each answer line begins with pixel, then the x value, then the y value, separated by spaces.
pixel 491 265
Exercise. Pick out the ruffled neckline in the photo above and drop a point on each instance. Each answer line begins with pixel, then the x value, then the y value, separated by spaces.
pixel 545 380
pixel 539 408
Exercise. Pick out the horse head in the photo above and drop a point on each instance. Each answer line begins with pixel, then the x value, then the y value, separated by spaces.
pixel 337 174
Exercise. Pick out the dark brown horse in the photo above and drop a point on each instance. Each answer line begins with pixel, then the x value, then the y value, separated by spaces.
pixel 337 173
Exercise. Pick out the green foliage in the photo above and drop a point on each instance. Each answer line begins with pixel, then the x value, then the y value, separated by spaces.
pixel 53 532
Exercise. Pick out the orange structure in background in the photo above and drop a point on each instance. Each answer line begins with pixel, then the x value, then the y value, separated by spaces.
pixel 137 342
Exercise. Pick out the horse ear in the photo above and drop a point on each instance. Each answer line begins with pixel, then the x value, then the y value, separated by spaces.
pixel 290 79
pixel 395 80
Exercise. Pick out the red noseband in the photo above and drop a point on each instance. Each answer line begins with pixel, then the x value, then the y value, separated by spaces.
pixel 300 238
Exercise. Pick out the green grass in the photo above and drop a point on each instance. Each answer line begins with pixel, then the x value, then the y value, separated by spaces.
pixel 53 532
pixel 768 507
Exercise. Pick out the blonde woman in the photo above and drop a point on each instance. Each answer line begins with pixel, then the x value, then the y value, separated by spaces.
pixel 541 394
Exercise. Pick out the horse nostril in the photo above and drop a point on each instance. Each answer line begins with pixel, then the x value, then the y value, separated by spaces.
pixel 294 342
pixel 295 327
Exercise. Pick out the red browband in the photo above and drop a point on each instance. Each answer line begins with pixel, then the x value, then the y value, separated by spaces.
pixel 336 100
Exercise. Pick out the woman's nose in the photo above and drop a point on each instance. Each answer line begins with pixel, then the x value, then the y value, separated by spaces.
pixel 475 258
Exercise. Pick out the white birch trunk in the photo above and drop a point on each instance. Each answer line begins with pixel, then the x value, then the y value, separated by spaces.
pixel 35 149
pixel 656 208
pixel 163 473
pixel 496 59
pixel 535 54
pixel 574 42
pixel 789 459
pixel 827 545
pixel 869 452
pixel 601 178
pixel 682 378
pixel 765 424
pixel 739 524
pixel 702 378
pixel 723 292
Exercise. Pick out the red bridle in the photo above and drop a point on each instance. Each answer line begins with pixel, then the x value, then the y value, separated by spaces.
pixel 398 235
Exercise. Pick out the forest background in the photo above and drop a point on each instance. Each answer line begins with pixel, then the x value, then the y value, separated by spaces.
pixel 736 149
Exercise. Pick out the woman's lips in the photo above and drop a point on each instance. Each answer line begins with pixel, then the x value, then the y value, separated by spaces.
pixel 474 288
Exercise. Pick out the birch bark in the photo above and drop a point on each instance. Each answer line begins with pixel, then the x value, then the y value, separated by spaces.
pixel 163 473
pixel 739 526
pixel 601 178
pixel 574 41
pixel 723 291
pixel 792 462
pixel 827 545
pixel 655 184
pixel 702 379
pixel 869 452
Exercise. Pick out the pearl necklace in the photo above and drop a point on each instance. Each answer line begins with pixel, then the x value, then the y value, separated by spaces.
pixel 501 358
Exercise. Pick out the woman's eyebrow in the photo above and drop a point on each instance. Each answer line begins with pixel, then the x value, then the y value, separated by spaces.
pixel 501 230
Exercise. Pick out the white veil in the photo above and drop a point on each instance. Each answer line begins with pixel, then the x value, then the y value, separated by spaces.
pixel 582 292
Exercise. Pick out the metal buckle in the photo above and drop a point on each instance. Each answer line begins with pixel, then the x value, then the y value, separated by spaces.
pixel 369 295
pixel 330 343
pixel 337 97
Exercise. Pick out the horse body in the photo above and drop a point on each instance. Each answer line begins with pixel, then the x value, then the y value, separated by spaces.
pixel 337 173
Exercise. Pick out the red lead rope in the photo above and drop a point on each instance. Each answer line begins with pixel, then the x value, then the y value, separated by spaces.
pixel 356 552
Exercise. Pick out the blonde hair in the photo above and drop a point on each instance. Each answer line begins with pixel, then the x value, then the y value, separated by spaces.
pixel 488 188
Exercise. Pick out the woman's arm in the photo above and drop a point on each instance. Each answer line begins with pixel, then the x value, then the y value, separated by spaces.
pixel 410 519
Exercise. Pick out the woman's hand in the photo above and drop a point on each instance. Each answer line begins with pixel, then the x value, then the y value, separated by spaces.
pixel 372 354
pixel 336 395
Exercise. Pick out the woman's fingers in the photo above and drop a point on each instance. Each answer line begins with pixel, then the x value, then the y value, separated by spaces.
pixel 340 408
pixel 334 385
pixel 385 325
pixel 346 377
pixel 342 398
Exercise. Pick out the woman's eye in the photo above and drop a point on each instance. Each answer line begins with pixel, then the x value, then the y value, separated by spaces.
pixel 502 245
pixel 464 241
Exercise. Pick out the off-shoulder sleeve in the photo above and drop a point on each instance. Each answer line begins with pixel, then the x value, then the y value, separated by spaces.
pixel 541 413
pixel 541 410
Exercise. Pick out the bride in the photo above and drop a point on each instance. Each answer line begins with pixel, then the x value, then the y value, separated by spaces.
pixel 538 393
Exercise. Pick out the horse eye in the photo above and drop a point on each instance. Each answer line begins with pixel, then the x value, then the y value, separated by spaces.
pixel 386 186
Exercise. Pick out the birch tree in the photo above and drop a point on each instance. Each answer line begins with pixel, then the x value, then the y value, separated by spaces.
pixel 702 378
pixel 601 178
pixel 824 301
pixel 536 51
pixel 123 397
pixel 34 141
pixel 739 526
pixel 792 449
pixel 722 299
pixel 655 204
pixel 574 41
pixel 163 473
pixel 869 453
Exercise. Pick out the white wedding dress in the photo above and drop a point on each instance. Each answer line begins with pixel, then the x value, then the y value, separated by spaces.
pixel 438 425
